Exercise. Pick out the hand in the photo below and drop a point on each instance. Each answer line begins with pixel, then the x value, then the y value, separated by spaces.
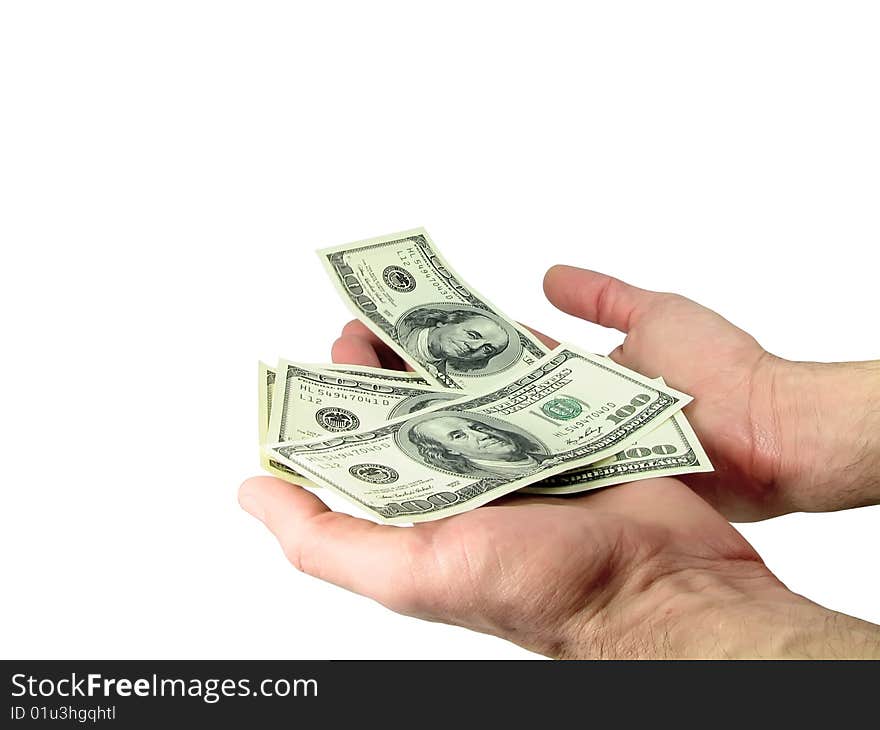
pixel 646 569
pixel 783 436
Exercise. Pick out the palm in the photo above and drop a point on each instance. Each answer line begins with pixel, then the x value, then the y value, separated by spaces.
pixel 564 576
pixel 528 562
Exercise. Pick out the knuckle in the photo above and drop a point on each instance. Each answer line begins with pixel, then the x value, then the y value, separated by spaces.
pixel 297 553
pixel 294 554
pixel 338 343
pixel 409 590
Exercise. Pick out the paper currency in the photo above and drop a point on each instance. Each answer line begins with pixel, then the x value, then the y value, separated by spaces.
pixel 310 395
pixel 570 409
pixel 311 401
pixel 265 390
pixel 404 291
pixel 365 371
pixel 365 412
pixel 672 449
pixel 487 411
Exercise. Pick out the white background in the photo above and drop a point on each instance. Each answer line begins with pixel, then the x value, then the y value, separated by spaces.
pixel 168 168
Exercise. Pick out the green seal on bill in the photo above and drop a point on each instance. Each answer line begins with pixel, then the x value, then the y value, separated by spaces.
pixel 562 409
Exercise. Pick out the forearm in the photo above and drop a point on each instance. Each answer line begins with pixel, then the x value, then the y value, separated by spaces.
pixel 784 626
pixel 827 420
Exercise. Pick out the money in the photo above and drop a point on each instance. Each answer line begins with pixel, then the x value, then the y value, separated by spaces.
pixel 312 401
pixel 265 388
pixel 365 371
pixel 306 391
pixel 488 409
pixel 670 450
pixel 418 395
pixel 569 410
pixel 265 391
pixel 405 291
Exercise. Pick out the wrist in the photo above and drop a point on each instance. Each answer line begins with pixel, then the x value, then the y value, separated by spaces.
pixel 737 610
pixel 819 423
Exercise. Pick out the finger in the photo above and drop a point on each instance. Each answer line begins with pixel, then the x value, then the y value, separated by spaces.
pixel 356 327
pixel 548 341
pixel 389 359
pixel 617 355
pixel 596 297
pixel 354 350
pixel 355 554
pixel 259 496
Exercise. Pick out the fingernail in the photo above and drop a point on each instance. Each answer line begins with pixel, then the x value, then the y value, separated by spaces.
pixel 252 506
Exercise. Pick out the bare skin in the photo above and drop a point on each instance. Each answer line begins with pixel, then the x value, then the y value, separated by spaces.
pixel 647 569
pixel 784 436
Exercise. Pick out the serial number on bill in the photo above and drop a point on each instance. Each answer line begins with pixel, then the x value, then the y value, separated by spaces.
pixel 322 397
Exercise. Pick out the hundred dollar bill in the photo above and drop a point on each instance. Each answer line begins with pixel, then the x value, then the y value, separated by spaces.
pixel 265 390
pixel 311 401
pixel 404 291
pixel 267 380
pixel 570 409
pixel 366 371
pixel 670 450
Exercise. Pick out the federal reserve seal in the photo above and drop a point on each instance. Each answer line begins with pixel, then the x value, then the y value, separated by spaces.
pixel 337 419
pixel 562 409
pixel 374 473
pixel 398 279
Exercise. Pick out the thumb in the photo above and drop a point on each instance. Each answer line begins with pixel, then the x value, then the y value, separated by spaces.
pixel 596 297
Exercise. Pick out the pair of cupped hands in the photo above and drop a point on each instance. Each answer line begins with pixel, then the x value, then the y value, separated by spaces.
pixel 647 569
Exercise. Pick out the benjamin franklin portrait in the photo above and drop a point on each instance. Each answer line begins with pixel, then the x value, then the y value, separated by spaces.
pixel 463 444
pixel 422 400
pixel 460 338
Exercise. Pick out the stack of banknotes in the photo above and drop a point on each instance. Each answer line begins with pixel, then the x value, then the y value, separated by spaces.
pixel 487 409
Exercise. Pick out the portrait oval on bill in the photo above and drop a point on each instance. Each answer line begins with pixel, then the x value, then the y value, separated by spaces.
pixel 458 339
pixel 421 401
pixel 471 445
